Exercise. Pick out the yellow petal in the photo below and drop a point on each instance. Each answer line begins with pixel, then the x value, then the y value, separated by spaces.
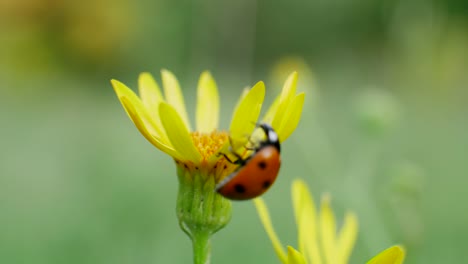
pixel 306 220
pixel 140 124
pixel 292 116
pixel 287 96
pixel 244 93
pixel 270 114
pixel 295 257
pixel 123 91
pixel 150 92
pixel 239 142
pixel 141 118
pixel 207 116
pixel 392 255
pixel 246 115
pixel 174 96
pixel 151 96
pixel 178 134
pixel 266 221
pixel 328 230
pixel 347 237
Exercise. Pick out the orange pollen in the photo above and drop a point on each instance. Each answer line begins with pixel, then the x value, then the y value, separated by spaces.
pixel 209 144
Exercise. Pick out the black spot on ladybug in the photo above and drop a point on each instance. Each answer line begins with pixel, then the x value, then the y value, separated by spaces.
pixel 215 166
pixel 225 166
pixel 196 168
pixel 185 165
pixel 266 184
pixel 262 165
pixel 239 188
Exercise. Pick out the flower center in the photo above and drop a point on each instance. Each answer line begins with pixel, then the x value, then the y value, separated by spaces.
pixel 209 144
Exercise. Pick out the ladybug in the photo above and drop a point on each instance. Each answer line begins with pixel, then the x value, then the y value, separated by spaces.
pixel 256 173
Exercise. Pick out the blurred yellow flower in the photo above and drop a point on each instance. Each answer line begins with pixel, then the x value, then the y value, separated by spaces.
pixel 319 241
pixel 392 255
pixel 164 122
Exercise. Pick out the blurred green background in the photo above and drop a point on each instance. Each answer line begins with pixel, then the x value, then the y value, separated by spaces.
pixel 384 128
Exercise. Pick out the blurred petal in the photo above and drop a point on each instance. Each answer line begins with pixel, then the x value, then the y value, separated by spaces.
pixel 141 118
pixel 287 96
pixel 347 237
pixel 392 255
pixel 265 218
pixel 178 133
pixel 292 116
pixel 246 115
pixel 289 88
pixel 328 230
pixel 207 115
pixel 306 220
pixel 295 257
pixel 174 96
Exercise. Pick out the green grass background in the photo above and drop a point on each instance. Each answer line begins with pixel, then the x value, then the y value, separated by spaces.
pixel 79 184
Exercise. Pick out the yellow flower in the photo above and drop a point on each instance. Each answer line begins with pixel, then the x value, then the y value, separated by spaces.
pixel 318 239
pixel 164 122
pixel 392 255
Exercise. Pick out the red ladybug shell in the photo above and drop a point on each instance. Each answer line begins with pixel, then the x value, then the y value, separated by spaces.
pixel 257 173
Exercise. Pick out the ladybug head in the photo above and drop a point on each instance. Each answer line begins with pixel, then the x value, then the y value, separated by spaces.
pixel 271 136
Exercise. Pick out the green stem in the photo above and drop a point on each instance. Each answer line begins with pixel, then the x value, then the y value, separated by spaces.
pixel 200 209
pixel 201 248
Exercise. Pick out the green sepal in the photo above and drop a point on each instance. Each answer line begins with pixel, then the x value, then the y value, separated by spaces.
pixel 200 209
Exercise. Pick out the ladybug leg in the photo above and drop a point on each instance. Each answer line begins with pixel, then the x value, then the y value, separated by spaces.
pixel 239 160
pixel 249 148
pixel 254 148
pixel 225 156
